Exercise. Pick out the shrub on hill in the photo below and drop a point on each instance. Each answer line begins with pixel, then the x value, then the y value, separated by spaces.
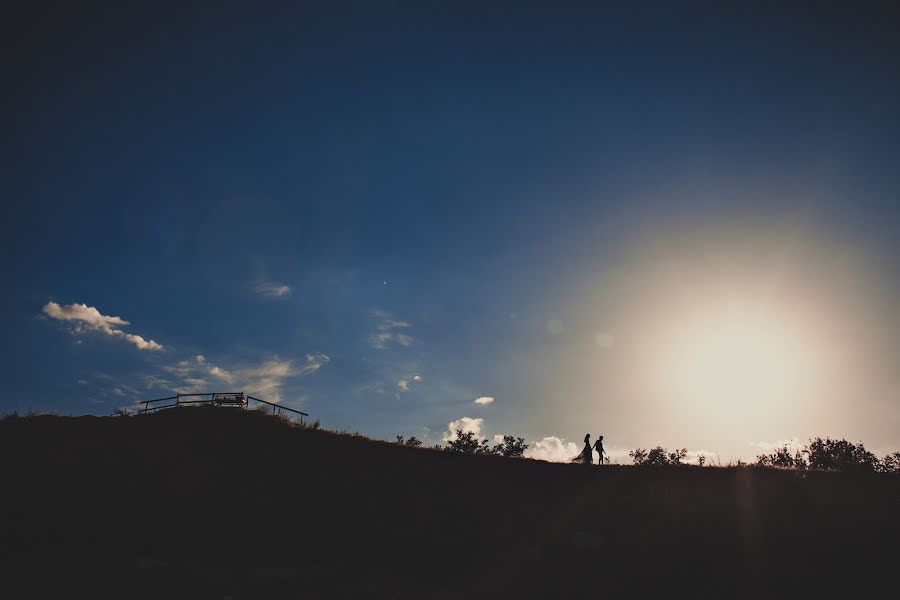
pixel 830 455
pixel 467 443
pixel 782 457
pixel 658 457
pixel 890 463
pixel 511 447
pixel 839 455
pixel 413 441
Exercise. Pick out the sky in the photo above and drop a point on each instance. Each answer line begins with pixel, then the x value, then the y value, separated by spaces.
pixel 666 223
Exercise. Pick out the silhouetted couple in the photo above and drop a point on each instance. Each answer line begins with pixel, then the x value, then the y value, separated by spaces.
pixel 587 455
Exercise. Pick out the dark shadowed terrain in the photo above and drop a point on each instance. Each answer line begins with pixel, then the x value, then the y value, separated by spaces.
pixel 209 503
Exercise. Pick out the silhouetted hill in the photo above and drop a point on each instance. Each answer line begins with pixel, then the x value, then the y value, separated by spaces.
pixel 218 503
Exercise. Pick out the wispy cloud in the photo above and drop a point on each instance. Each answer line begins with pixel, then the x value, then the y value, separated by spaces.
pixel 484 400
pixel 272 289
pixel 314 362
pixel 388 330
pixel 264 380
pixel 82 317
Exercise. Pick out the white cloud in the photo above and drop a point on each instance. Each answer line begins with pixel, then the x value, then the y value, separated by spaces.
pixel 87 318
pixel 138 341
pixel 83 314
pixel 552 449
pixel 463 424
pixel 272 289
pixel 484 400
pixel 405 383
pixel 386 331
pixel 221 373
pixel 200 358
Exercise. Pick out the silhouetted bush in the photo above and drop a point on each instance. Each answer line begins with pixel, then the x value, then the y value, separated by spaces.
pixel 840 455
pixel 676 458
pixel 467 443
pixel 638 456
pixel 890 463
pixel 658 457
pixel 830 455
pixel 782 457
pixel 511 447
pixel 413 441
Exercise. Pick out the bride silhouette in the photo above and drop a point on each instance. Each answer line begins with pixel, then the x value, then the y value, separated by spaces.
pixel 587 455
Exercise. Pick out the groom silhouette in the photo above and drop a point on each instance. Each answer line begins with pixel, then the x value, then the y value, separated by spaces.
pixel 598 446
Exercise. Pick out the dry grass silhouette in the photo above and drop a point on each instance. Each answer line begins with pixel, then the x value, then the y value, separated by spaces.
pixel 220 503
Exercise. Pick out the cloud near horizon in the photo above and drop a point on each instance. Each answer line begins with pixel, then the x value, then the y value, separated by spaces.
pixel 464 424
pixel 552 449
pixel 484 400
pixel 82 317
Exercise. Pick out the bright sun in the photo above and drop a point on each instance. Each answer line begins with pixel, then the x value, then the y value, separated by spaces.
pixel 735 363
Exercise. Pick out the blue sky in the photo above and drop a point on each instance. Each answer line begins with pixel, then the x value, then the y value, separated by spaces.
pixel 324 201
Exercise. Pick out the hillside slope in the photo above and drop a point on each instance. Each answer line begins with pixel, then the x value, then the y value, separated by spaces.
pixel 217 503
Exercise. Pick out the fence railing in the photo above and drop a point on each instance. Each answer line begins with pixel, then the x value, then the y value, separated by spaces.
pixel 229 399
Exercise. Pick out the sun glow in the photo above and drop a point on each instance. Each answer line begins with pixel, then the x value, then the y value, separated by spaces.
pixel 729 336
pixel 735 363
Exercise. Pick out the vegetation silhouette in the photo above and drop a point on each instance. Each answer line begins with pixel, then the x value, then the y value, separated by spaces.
pixel 658 457
pixel 466 442
pixel 830 455
pixel 217 503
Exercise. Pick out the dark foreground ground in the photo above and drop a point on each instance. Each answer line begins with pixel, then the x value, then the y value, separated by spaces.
pixel 209 503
